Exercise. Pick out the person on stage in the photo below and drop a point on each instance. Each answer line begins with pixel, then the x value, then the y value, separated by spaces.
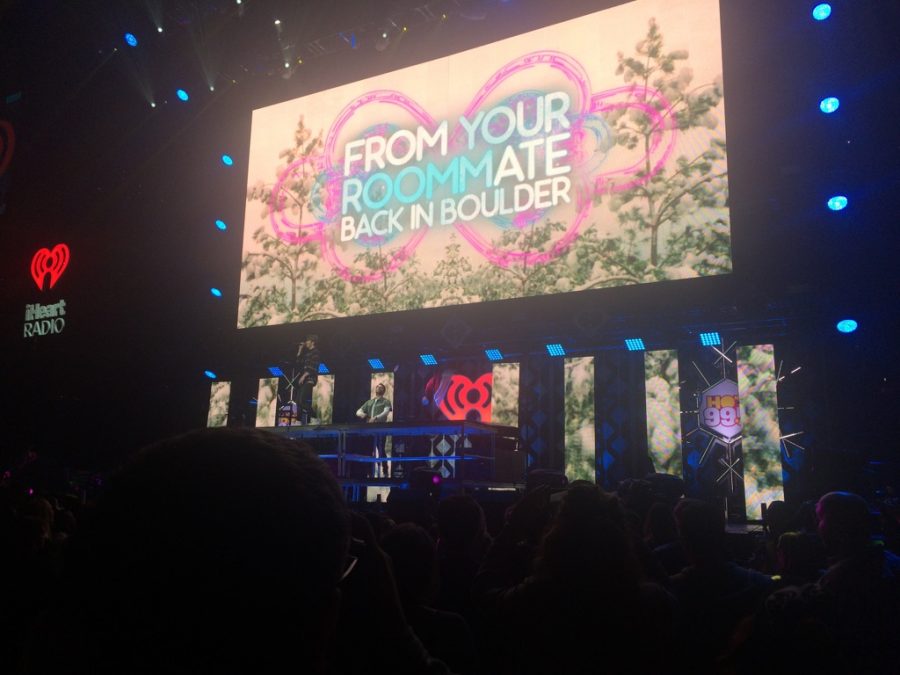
pixel 308 360
pixel 377 410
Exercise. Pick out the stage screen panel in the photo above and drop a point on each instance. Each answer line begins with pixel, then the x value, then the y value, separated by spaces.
pixel 583 155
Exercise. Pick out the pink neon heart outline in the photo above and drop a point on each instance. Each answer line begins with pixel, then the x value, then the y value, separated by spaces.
pixel 571 69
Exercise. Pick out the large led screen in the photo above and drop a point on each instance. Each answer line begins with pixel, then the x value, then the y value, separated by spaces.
pixel 584 155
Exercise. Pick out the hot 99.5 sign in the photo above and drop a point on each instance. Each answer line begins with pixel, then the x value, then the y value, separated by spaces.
pixel 720 410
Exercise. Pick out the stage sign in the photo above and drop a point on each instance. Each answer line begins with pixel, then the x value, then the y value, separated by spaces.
pixel 583 155
pixel 720 412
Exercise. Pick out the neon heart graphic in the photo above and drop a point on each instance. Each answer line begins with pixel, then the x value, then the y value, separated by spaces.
pixel 467 400
pixel 586 144
pixel 49 262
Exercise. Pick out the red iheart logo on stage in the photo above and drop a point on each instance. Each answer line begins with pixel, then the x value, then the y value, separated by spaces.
pixel 467 400
pixel 49 262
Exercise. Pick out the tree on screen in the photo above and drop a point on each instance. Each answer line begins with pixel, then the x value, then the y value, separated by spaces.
pixel 279 274
pixel 521 278
pixel 678 213
pixel 451 277
pixel 402 288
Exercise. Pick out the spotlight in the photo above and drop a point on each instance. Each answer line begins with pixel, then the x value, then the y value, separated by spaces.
pixel 634 344
pixel 376 364
pixel 277 22
pixel 837 203
pixel 428 359
pixel 159 29
pixel 821 11
pixel 555 349
pixel 276 371
pixel 847 325
pixel 829 105
pixel 212 88
pixel 710 339
pixel 182 94
pixel 227 161
pixel 384 38
pixel 493 354
pixel 152 104
pixel 215 292
pixel 210 374
pixel 131 40
pixel 221 224
pixel 287 64
pixel 323 369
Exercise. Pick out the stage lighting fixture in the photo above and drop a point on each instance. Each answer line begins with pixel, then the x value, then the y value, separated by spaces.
pixel 276 371
pixel 182 94
pixel 634 344
pixel 821 11
pixel 215 292
pixel 227 161
pixel 159 29
pixel 221 224
pixel 212 88
pixel 376 364
pixel 152 104
pixel 277 22
pixel 837 203
pixel 210 374
pixel 384 37
pixel 131 40
pixel 710 339
pixel 829 105
pixel 555 349
pixel 847 325
pixel 493 354
pixel 323 369
pixel 428 359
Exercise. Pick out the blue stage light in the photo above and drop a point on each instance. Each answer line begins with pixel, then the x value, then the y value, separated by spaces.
pixel 376 364
pixel 710 339
pixel 210 374
pixel 226 160
pixel 634 344
pixel 493 354
pixel 821 11
pixel 182 94
pixel 555 349
pixel 837 203
pixel 215 292
pixel 323 369
pixel 276 371
pixel 428 359
pixel 847 325
pixel 131 40
pixel 829 105
pixel 221 224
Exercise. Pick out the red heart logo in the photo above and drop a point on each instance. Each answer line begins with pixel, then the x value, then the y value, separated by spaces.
pixel 465 397
pixel 49 262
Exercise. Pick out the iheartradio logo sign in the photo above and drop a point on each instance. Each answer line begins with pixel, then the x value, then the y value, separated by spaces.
pixel 47 266
pixel 49 262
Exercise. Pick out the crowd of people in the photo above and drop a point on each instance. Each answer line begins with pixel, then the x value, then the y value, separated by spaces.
pixel 234 551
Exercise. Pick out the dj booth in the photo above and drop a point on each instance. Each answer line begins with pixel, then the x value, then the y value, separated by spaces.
pixel 459 450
